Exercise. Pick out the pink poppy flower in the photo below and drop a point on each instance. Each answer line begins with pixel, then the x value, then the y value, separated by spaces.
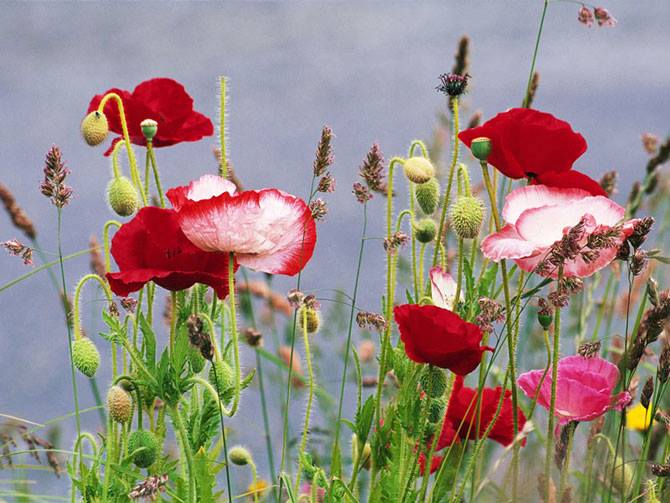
pixel 583 391
pixel 268 230
pixel 443 289
pixel 538 216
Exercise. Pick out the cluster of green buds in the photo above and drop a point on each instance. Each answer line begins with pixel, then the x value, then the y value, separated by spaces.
pixel 468 211
pixel 421 172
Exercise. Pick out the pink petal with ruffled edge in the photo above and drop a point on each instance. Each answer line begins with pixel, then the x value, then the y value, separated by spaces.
pixel 536 196
pixel 443 288
pixel 205 187
pixel 508 244
pixel 268 230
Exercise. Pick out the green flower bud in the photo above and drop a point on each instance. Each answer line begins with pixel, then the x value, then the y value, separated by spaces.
pixel 428 196
pixel 467 214
pixel 119 404
pixel 122 196
pixel 196 359
pixel 418 169
pixel 433 381
pixel 148 443
pixel 622 477
pixel 481 148
pixel 436 410
pixel 94 128
pixel 224 379
pixel 85 356
pixel 425 230
pixel 313 319
pixel 239 456
pixel 149 128
pixel 545 320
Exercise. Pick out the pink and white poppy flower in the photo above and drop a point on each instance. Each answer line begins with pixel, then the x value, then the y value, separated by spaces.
pixel 583 389
pixel 443 289
pixel 538 216
pixel 268 230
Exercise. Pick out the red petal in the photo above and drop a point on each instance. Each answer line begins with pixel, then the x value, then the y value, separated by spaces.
pixel 571 180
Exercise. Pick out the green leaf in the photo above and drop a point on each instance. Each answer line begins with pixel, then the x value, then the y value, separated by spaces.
pixel 446 476
pixel 289 488
pixel 149 340
pixel 364 420
pixel 204 480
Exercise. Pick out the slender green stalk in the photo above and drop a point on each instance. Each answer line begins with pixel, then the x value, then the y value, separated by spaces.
pixel 223 433
pixel 75 396
pixel 157 178
pixel 460 271
pixel 223 159
pixel 186 448
pixel 336 443
pixel 526 99
pixel 310 396
pixel 554 383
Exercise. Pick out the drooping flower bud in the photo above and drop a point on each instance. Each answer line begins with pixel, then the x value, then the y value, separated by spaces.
pixel 428 196
pixel 143 447
pixel 240 456
pixel 119 404
pixel 467 215
pixel 221 377
pixel 85 356
pixel 433 381
pixel 418 169
pixel 122 196
pixel 481 148
pixel 149 128
pixel 94 128
pixel 309 319
pixel 425 230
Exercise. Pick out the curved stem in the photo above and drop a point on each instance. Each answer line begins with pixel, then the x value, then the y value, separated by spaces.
pixel 233 334
pixel 105 242
pixel 310 397
pixel 126 138
pixel 76 317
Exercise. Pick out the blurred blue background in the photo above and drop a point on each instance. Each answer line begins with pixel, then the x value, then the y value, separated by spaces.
pixel 368 70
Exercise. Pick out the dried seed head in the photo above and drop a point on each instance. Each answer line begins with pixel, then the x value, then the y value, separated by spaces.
pixel 361 192
pixel 372 170
pixel 324 152
pixel 638 262
pixel 603 17
pixel 650 143
pixel 319 209
pixel 149 487
pixel 428 196
pixel 19 217
pixel 660 470
pixel 94 128
pixel 326 184
pixel 461 60
pixel 641 229
pixel 397 240
pixel 370 320
pixel 122 196
pixel 452 84
pixel 467 214
pixel 647 392
pixel 18 249
pixel 253 337
pixel 418 169
pixel 608 182
pixel 119 404
pixel 199 337
pixel 53 186
pixel 149 128
pixel 663 371
pixel 143 446
pixel 309 319
pixel 585 16
pixel 545 313
pixel 589 349
pixel 85 356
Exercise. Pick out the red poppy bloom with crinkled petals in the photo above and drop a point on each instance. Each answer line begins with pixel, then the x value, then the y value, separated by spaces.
pixel 461 418
pixel 268 230
pixel 163 100
pixel 152 247
pixel 439 337
pixel 527 143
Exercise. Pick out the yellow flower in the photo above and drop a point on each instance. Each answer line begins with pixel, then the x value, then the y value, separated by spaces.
pixel 638 418
pixel 257 488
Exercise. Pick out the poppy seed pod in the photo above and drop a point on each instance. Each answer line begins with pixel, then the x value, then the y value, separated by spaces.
pixel 418 169
pixel 310 317
pixel 223 379
pixel 481 148
pixel 122 196
pixel 467 215
pixel 94 128
pixel 240 456
pixel 149 128
pixel 85 356
pixel 428 196
pixel 196 359
pixel 425 230
pixel 148 443
pixel 119 404
pixel 433 381
pixel 436 410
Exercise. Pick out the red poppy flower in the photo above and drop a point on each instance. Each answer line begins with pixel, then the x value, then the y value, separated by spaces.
pixel 268 230
pixel 526 143
pixel 435 463
pixel 152 247
pixel 439 337
pixel 461 419
pixel 163 100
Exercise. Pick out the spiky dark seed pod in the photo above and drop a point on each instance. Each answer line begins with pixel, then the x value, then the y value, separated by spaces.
pixel 428 196
pixel 418 169
pixel 94 128
pixel 119 404
pixel 85 356
pixel 433 381
pixel 147 441
pixel 647 392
